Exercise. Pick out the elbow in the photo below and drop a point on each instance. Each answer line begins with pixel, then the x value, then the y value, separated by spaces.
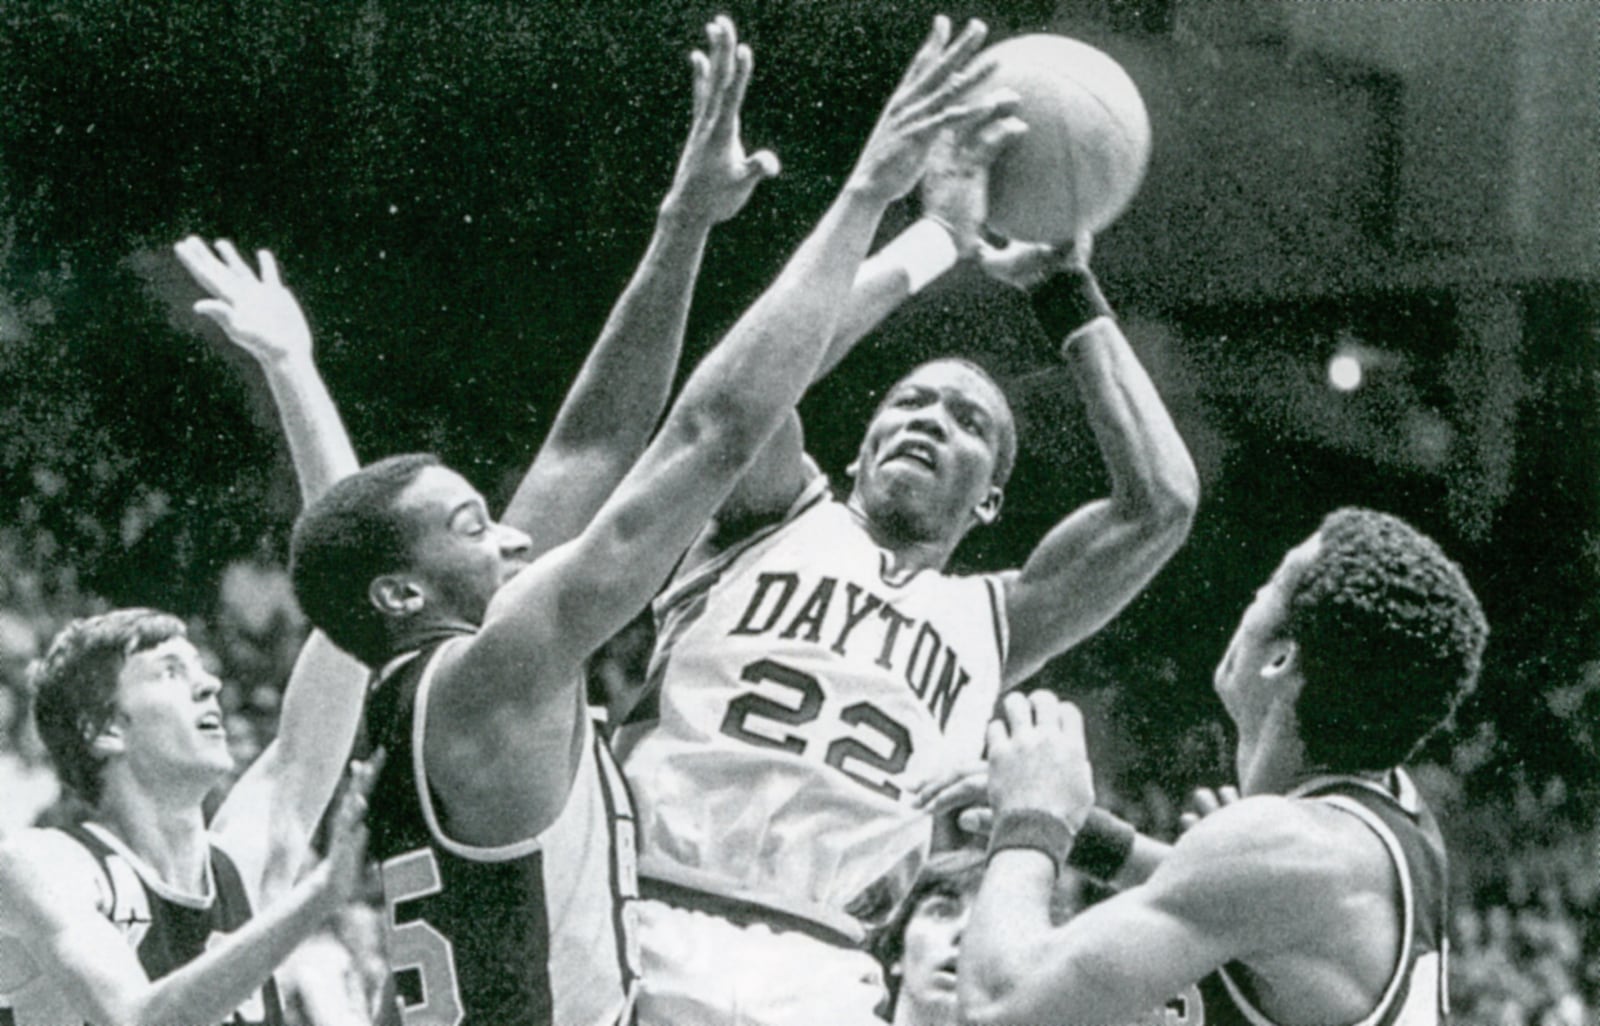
pixel 1175 490
pixel 1164 511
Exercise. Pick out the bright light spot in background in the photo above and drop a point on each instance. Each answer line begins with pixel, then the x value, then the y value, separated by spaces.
pixel 1344 372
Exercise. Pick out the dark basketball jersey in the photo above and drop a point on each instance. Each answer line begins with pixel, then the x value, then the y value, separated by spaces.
pixel 1416 993
pixel 528 934
pixel 166 929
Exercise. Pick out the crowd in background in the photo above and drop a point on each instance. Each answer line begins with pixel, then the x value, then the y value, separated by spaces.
pixel 1525 937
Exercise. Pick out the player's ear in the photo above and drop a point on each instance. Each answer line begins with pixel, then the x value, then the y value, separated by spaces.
pixel 988 511
pixel 1283 660
pixel 395 596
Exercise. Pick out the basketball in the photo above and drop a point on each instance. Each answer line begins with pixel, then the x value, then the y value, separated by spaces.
pixel 1087 145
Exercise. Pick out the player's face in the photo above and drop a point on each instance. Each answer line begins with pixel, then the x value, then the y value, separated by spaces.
pixel 928 460
pixel 459 556
pixel 1258 648
pixel 928 962
pixel 168 718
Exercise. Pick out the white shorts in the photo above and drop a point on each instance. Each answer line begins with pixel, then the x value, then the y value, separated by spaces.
pixel 700 969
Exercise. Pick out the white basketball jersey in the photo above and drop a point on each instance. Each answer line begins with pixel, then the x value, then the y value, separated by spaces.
pixel 804 693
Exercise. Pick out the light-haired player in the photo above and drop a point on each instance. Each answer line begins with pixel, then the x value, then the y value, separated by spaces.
pixel 815 664
pixel 1317 897
pixel 144 913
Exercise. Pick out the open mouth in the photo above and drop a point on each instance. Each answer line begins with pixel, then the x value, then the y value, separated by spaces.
pixel 211 723
pixel 920 453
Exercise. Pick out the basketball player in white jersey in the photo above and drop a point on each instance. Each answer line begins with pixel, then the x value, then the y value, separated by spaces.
pixel 144 914
pixel 504 829
pixel 815 664
pixel 1319 896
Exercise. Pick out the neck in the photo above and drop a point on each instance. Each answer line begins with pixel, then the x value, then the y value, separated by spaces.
pixel 910 552
pixel 1270 758
pixel 421 631
pixel 169 835
pixel 909 1013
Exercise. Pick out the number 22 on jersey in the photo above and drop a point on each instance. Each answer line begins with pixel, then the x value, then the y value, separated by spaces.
pixel 867 765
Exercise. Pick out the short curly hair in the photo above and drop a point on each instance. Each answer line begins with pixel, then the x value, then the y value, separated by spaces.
pixel 352 534
pixel 1391 640
pixel 75 686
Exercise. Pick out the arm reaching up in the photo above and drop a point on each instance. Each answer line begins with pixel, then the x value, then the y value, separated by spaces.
pixel 262 317
pixel 270 814
pixel 1093 563
pixel 954 186
pixel 511 688
pixel 619 394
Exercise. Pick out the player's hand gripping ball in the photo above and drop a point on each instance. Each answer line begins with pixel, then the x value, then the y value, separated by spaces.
pixel 1087 146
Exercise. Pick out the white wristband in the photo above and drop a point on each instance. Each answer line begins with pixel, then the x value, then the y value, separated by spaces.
pixel 924 252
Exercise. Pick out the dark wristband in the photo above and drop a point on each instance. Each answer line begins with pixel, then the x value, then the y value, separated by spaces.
pixel 1103 845
pixel 1034 829
pixel 1068 301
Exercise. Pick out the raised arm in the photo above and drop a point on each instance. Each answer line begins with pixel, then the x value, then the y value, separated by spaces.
pixel 547 620
pixel 954 202
pixel 271 812
pixel 49 897
pixel 1092 563
pixel 617 399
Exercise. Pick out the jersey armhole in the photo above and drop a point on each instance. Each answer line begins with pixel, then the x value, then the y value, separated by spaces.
pixel 1397 977
pixel 419 771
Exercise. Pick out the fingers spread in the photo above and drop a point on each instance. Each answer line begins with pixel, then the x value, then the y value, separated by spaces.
pixel 269 267
pixel 700 68
pixel 928 53
pixel 202 264
pixel 231 257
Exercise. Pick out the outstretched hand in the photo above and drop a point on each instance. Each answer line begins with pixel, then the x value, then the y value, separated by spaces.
pixel 1024 265
pixel 715 177
pixel 934 94
pixel 257 313
pixel 955 187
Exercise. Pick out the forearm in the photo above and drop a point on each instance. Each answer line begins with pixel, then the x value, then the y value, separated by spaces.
pixel 318 443
pixel 317 726
pixel 620 391
pixel 778 346
pixel 915 257
pixel 1153 478
pixel 213 986
pixel 1009 922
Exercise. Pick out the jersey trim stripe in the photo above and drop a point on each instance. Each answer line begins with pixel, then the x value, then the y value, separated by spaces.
pixel 611 783
pixel 1399 974
pixel 1002 637
pixel 419 732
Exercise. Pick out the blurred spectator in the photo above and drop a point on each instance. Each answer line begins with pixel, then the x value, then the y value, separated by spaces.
pixel 26 779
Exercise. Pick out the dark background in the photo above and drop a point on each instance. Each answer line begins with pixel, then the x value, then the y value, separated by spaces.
pixel 458 190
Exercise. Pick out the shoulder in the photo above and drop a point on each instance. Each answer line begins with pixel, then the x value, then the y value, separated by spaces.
pixel 47 865
pixel 1267 860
